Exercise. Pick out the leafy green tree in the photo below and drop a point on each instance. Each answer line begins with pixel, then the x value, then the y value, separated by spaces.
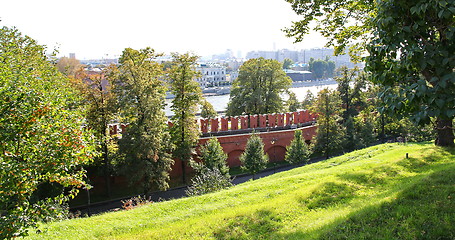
pixel 409 44
pixel 352 98
pixel 254 159
pixel 287 63
pixel 184 130
pixel 330 72
pixel 207 110
pixel 258 88
pixel 292 102
pixel 297 151
pixel 68 66
pixel 330 133
pixel 322 68
pixel 364 125
pixel 412 49
pixel 145 146
pixel 308 100
pixel 99 101
pixel 346 23
pixel 317 67
pixel 42 142
pixel 213 157
pixel 350 141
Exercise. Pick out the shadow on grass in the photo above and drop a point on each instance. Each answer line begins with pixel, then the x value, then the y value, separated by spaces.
pixel 425 210
pixel 377 176
pixel 259 225
pixel 329 194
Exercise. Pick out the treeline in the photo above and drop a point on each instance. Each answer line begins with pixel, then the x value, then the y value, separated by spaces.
pixel 55 125
pixel 350 117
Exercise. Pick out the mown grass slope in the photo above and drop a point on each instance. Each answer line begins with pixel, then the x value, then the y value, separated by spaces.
pixel 374 193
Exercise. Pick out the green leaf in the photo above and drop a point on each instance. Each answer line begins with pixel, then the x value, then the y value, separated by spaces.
pixel 450 113
pixel 440 103
pixel 442 84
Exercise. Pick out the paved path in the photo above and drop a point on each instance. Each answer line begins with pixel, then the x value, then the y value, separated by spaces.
pixel 175 193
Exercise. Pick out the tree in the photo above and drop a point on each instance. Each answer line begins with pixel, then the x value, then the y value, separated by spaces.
pixel 297 151
pixel 213 157
pixel 322 68
pixel 42 142
pixel 99 102
pixel 317 67
pixel 207 110
pixel 68 66
pixel 308 100
pixel 330 68
pixel 145 146
pixel 258 88
pixel 413 48
pixel 352 99
pixel 292 102
pixel 409 44
pixel 212 174
pixel 184 130
pixel 364 125
pixel 330 133
pixel 346 24
pixel 287 63
pixel 254 159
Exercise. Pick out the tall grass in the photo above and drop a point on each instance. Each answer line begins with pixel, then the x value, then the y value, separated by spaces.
pixel 374 193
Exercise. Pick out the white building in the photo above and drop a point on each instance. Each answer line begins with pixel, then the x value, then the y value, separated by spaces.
pixel 212 75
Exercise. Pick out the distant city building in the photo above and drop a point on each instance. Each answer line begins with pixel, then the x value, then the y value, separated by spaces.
pixel 212 75
pixel 73 55
pixel 229 54
pixel 304 56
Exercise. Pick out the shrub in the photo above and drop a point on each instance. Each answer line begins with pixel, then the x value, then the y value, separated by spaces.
pixel 210 180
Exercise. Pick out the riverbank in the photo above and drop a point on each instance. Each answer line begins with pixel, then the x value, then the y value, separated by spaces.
pixel 219 102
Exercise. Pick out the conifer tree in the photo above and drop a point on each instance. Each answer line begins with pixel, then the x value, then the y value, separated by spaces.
pixel 308 101
pixel 184 130
pixel 212 173
pixel 292 103
pixel 297 151
pixel 253 158
pixel 213 157
pixel 207 110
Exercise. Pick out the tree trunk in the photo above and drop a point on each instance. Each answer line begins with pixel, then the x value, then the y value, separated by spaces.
pixel 444 129
pixel 183 172
pixel 107 172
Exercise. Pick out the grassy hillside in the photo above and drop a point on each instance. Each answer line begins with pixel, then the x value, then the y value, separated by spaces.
pixel 375 193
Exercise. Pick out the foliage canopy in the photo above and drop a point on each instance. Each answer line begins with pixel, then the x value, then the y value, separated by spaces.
pixel 184 130
pixel 258 88
pixel 42 142
pixel 145 146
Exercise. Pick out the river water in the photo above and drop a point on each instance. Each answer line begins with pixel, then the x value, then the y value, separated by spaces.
pixel 220 102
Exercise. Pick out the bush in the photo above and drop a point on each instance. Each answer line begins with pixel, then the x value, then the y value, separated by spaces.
pixel 210 180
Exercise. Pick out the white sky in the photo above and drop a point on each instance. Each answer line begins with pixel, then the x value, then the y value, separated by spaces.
pixel 103 28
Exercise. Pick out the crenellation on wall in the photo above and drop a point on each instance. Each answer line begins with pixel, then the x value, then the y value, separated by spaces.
pixel 274 129
pixel 254 121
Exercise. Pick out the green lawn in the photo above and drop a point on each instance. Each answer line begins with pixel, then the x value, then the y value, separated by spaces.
pixel 374 193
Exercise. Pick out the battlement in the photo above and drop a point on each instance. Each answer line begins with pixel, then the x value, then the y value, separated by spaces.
pixel 264 122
